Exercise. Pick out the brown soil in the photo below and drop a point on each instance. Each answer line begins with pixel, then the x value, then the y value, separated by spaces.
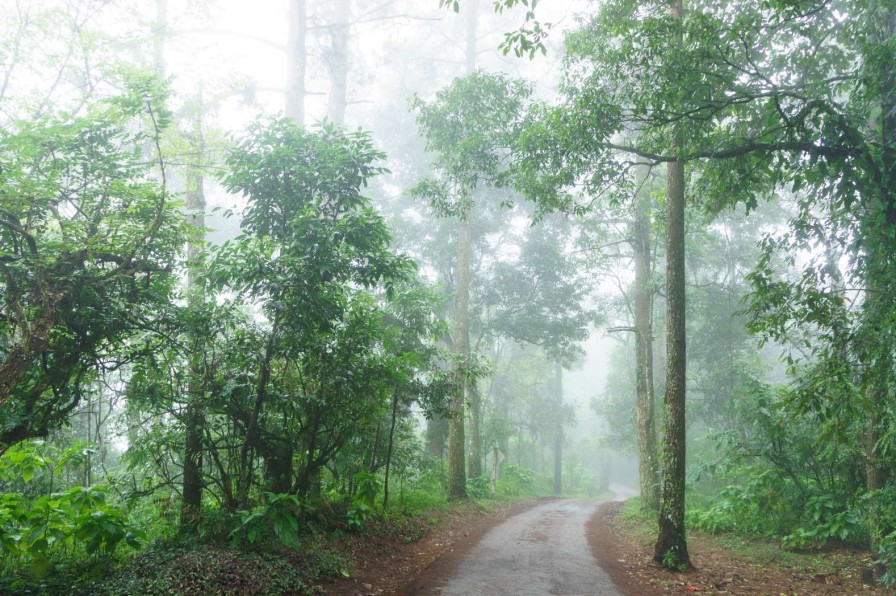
pixel 625 550
pixel 396 563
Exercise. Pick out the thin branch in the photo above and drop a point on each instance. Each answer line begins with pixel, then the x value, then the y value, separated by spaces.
pixel 620 329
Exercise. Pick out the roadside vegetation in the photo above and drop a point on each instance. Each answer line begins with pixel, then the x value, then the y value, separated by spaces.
pixel 731 562
pixel 87 541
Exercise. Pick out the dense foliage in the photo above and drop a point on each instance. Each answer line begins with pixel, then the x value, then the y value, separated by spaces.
pixel 191 399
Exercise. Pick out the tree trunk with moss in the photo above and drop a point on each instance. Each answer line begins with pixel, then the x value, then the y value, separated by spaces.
pixel 671 546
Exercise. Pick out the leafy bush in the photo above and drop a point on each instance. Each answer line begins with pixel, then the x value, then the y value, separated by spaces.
pixel 886 555
pixel 754 508
pixel 828 520
pixel 768 505
pixel 33 531
pixel 516 481
pixel 479 487
pixel 424 487
pixel 280 513
pixel 364 506
pixel 879 508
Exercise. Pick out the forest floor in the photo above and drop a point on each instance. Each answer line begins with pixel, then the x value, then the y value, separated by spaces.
pixel 723 564
pixel 393 564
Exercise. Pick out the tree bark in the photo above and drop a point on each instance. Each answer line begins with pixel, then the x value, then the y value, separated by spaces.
pixel 558 430
pixel 193 418
pixel 34 342
pixel 647 455
pixel 671 546
pixel 191 504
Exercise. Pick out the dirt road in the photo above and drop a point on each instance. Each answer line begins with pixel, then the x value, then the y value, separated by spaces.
pixel 541 551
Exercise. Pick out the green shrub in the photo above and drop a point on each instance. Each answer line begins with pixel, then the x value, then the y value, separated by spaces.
pixel 280 513
pixel 422 490
pixel 827 520
pixel 479 487
pixel 764 504
pixel 516 481
pixel 35 531
pixel 364 502
pixel 885 549
pixel 769 506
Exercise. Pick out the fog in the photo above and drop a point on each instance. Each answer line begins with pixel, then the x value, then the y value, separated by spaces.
pixel 267 265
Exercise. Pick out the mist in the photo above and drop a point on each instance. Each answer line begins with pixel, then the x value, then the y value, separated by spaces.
pixel 281 272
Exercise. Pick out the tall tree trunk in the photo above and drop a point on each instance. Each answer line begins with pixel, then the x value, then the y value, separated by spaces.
pixel 191 504
pixel 393 422
pixel 194 417
pixel 436 436
pixel 461 338
pixel 372 465
pixel 338 59
pixel 647 455
pixel 308 483
pixel 279 467
pixel 461 329
pixel 244 472
pixel 558 429
pixel 296 57
pixel 88 438
pixel 880 271
pixel 475 463
pixel 671 546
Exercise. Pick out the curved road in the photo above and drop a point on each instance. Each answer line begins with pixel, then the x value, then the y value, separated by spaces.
pixel 541 551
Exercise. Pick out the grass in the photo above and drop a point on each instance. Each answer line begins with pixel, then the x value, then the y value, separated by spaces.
pixel 640 523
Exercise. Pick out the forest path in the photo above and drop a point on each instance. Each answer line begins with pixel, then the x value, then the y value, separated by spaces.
pixel 543 550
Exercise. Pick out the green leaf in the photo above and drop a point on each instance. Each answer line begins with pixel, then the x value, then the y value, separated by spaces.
pixel 40 566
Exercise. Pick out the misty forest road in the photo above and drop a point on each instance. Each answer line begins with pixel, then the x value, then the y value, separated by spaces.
pixel 541 551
